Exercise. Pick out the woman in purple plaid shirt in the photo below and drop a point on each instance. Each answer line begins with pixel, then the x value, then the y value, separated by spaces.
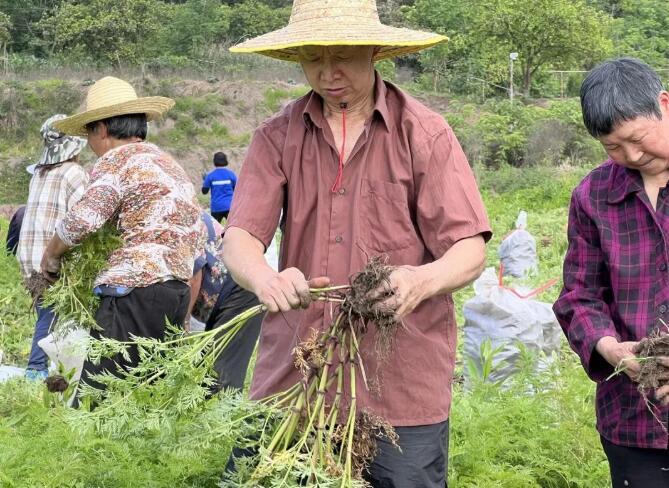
pixel 616 284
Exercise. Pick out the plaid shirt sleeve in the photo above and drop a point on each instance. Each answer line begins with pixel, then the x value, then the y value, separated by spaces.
pixel 583 306
pixel 98 204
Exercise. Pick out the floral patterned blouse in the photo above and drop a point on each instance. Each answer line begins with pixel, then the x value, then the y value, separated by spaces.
pixel 151 200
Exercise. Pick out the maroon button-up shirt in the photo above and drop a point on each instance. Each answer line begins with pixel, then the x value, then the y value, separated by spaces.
pixel 407 191
pixel 616 284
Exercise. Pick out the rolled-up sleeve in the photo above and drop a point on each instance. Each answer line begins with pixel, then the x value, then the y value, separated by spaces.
pixel 97 205
pixel 259 194
pixel 582 308
pixel 449 204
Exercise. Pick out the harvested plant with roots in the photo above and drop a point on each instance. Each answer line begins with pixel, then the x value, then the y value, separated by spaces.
pixel 653 374
pixel 313 434
pixel 331 439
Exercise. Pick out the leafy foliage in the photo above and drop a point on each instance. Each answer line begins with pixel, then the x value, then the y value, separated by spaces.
pixel 500 132
pixel 512 438
pixel 191 452
pixel 563 34
pixel 71 296
pixel 111 31
pixel 17 319
pixel 5 29
pixel 559 33
pixel 643 30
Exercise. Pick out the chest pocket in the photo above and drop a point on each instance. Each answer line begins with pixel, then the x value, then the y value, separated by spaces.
pixel 386 219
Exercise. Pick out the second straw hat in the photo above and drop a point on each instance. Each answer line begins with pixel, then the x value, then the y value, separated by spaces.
pixel 109 97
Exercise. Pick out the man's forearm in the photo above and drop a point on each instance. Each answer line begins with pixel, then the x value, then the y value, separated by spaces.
pixel 244 258
pixel 459 266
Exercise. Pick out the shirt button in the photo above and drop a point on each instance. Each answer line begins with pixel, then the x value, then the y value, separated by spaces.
pixel 663 267
pixel 340 238
pixel 342 191
pixel 663 309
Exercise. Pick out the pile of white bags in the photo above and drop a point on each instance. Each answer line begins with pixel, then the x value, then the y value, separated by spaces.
pixel 506 318
pixel 518 251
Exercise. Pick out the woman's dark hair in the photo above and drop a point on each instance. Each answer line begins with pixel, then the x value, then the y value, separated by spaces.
pixel 123 126
pixel 617 91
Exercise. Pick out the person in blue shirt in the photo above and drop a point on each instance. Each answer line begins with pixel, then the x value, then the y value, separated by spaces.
pixel 221 181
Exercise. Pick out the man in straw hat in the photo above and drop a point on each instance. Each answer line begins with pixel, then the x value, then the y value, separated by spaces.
pixel 57 183
pixel 359 168
pixel 144 193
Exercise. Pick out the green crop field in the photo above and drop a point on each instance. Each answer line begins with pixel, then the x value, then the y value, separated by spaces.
pixel 536 431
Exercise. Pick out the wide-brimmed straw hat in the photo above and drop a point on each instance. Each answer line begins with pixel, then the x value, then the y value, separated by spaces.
pixel 109 97
pixel 337 23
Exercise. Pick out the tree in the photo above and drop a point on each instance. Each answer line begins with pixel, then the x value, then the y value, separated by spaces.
pixel 111 31
pixel 24 15
pixel 5 37
pixel 252 18
pixel 558 33
pixel 644 31
pixel 458 61
pixel 195 25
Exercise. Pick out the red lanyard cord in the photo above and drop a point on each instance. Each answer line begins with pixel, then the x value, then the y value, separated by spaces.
pixel 340 172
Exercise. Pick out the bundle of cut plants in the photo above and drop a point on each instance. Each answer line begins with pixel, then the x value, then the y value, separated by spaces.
pixel 312 434
pixel 318 436
pixel 71 296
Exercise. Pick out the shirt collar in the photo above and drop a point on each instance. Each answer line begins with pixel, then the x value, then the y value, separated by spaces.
pixel 313 111
pixel 624 181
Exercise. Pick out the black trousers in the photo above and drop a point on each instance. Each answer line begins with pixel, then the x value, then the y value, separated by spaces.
pixel 231 365
pixel 219 215
pixel 143 312
pixel 420 461
pixel 633 467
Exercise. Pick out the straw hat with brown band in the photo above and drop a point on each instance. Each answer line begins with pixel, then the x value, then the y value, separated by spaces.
pixel 110 97
pixel 337 23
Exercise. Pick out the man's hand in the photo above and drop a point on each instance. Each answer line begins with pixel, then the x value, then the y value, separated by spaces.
pixel 50 267
pixel 287 290
pixel 620 355
pixel 411 287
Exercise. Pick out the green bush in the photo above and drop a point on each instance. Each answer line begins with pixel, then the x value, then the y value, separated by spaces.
pixel 24 106
pixel 501 132
pixel 14 183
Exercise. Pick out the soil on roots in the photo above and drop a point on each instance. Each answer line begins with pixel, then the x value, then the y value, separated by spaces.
pixel 363 304
pixel 56 383
pixel 36 285
pixel 653 374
